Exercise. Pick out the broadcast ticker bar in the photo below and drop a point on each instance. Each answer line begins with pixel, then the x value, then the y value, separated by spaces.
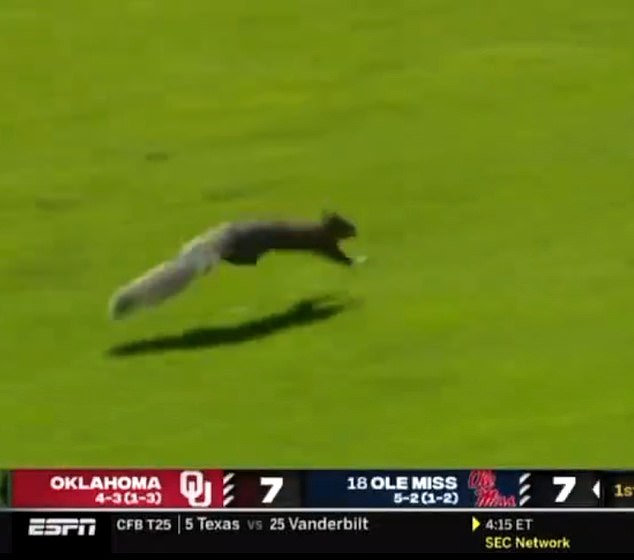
pixel 284 531
pixel 231 488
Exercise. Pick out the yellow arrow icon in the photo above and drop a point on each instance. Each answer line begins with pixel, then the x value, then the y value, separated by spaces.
pixel 474 524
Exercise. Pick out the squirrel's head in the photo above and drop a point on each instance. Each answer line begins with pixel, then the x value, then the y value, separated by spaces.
pixel 337 226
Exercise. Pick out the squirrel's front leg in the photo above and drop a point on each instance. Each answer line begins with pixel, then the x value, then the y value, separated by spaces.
pixel 334 252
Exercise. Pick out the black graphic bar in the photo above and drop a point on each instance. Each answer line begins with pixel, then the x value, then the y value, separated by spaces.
pixel 295 531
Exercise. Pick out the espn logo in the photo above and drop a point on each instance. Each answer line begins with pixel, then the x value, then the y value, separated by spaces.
pixel 62 527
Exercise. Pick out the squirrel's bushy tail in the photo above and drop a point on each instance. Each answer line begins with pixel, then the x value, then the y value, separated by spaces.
pixel 152 288
pixel 163 281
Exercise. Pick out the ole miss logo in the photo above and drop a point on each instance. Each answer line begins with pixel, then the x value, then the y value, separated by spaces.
pixel 483 484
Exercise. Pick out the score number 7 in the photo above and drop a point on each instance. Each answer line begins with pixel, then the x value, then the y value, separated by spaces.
pixel 275 484
pixel 567 484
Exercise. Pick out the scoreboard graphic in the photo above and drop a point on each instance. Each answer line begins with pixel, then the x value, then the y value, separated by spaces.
pixel 215 510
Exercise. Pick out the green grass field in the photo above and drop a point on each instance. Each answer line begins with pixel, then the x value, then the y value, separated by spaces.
pixel 485 150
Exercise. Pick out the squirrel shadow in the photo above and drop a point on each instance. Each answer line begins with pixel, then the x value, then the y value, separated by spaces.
pixel 302 313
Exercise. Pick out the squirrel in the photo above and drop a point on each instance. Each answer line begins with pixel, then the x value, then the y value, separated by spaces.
pixel 237 243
